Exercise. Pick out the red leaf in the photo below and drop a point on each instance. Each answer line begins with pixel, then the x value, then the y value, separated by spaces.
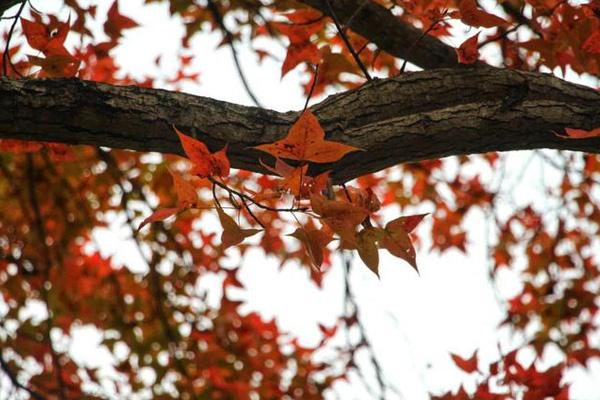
pixel 116 22
pixel 592 44
pixel 580 133
pixel 468 52
pixel 158 215
pixel 467 365
pixel 298 53
pixel 472 15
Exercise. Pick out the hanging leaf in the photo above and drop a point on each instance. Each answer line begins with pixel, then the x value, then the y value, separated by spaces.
pixel 232 234
pixel 397 239
pixel 158 215
pixel 366 244
pixel 186 192
pixel 314 241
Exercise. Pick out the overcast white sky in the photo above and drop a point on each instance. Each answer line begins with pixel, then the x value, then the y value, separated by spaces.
pixel 413 321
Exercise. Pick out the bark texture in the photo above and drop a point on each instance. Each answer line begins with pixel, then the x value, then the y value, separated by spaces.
pixel 380 26
pixel 417 116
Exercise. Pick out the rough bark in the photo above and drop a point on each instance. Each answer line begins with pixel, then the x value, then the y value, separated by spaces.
pixel 389 33
pixel 417 116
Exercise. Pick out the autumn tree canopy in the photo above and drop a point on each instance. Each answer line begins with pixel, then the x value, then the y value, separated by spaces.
pixel 394 88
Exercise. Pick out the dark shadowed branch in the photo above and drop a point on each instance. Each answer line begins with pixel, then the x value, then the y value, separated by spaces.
pixel 416 116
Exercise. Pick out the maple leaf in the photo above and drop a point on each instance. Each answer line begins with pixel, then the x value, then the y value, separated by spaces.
pixel 468 52
pixel 204 163
pixel 299 53
pixel 314 241
pixel 295 180
pixel 232 234
pixel 306 142
pixel 116 21
pixel 468 365
pixel 397 239
pixel 592 44
pixel 368 251
pixel 48 38
pixel 186 193
pixel 158 215
pixel 341 216
pixel 472 15
pixel 580 133
pixel 56 65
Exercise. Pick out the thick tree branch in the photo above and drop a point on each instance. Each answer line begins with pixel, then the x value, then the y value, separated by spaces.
pixel 417 116
pixel 380 26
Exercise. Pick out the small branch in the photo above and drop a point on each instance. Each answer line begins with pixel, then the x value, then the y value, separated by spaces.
pixel 214 10
pixel 251 200
pixel 15 382
pixel 352 301
pixel 6 56
pixel 344 37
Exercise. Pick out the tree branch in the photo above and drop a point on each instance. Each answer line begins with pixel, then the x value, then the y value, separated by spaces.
pixel 416 116
pixel 389 33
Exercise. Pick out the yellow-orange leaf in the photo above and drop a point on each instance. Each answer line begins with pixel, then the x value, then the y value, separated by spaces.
pixel 366 244
pixel 306 142
pixel 342 217
pixel 232 234
pixel 314 240
pixel 186 193
pixel 397 240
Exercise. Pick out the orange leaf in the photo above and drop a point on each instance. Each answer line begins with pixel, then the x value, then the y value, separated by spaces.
pixel 306 142
pixel 298 53
pixel 580 133
pixel 205 163
pixel 56 65
pixel 407 222
pixel 158 215
pixel 366 244
pixel 342 217
pixel 467 365
pixel 468 52
pixel 232 234
pixel 186 193
pixel 314 240
pixel 472 15
pixel 398 242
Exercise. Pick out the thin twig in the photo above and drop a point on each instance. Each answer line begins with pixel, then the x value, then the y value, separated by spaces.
pixel 347 257
pixel 15 382
pixel 6 57
pixel 214 10
pixel 312 87
pixel 41 231
pixel 346 41
pixel 412 46
pixel 251 200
